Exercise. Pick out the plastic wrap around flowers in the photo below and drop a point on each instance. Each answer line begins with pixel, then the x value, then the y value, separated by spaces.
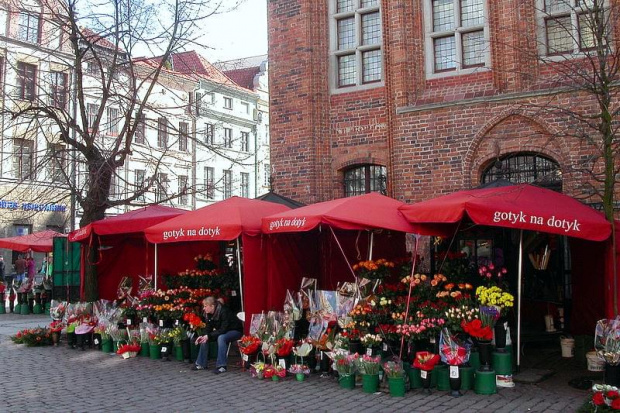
pixel 249 345
pixel 607 340
pixel 425 360
pixel 452 351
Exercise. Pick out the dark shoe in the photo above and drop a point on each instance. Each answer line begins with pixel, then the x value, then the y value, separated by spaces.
pixel 219 370
pixel 196 367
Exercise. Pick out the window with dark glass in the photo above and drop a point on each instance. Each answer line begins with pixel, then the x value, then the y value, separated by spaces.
pixel 161 187
pixel 28 27
pixel 140 176
pixel 227 183
pixel 245 184
pixel 56 162
pixel 209 134
pixel 210 182
pixel 26 81
pixel 227 137
pixel 23 158
pixel 363 179
pixel 183 136
pixel 140 133
pixel 525 168
pixel 162 133
pixel 58 91
pixel 245 141
pixel 183 189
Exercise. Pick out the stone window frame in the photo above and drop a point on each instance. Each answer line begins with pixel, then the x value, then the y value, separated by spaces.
pixel 542 16
pixel 359 49
pixel 459 31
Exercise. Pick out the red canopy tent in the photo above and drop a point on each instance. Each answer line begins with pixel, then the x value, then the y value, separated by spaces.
pixel 123 250
pixel 232 219
pixel 523 207
pixel 298 249
pixel 38 242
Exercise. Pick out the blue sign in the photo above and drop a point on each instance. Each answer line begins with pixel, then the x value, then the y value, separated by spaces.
pixel 27 206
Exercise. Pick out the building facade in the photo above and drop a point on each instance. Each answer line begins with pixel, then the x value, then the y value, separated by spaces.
pixel 424 97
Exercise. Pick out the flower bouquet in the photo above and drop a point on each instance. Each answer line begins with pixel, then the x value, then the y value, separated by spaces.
pixel 284 347
pixel 371 341
pixel 373 270
pixel 607 341
pixel 395 373
pixel 496 297
pixel 57 309
pixel 605 398
pixel 454 353
pixel 425 361
pixel 248 346
pixel 344 363
pixel 369 365
pixel 257 369
pixel 128 350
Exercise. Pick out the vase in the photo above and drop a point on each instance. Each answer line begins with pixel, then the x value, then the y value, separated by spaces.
pixel 484 351
pixel 106 345
pixel 300 376
pixel 178 352
pixel 612 375
pixel 55 338
pixel 415 380
pixel 425 375
pixel 397 386
pixel 499 331
pixel 355 346
pixel 443 377
pixel 80 340
pixel 144 349
pixel 311 359
pixel 275 377
pixel 466 375
pixel 325 363
pixel 154 351
pixel 284 361
pixel 186 350
pixel 455 381
pixel 166 351
pixel 370 383
pixel 71 339
pixel 347 381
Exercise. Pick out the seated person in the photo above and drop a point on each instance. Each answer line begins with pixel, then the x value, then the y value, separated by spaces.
pixel 222 326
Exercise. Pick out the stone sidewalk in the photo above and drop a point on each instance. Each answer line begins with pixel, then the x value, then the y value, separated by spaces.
pixel 58 379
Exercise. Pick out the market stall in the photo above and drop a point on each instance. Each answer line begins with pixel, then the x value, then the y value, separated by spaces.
pixel 37 242
pixel 522 207
pixel 325 239
pixel 234 219
pixel 121 249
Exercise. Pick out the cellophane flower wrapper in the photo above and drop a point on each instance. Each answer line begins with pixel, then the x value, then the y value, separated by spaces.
pixel 369 365
pixel 117 334
pixel 58 309
pixel 607 340
pixel 394 368
pixel 144 332
pixel 453 351
pixel 425 360
pixel 291 306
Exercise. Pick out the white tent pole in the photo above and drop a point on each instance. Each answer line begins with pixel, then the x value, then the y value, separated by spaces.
pixel 156 269
pixel 372 239
pixel 519 278
pixel 239 267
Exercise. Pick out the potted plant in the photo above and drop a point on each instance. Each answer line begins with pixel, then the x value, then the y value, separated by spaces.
pixel 300 371
pixel 396 377
pixel 345 365
pixel 369 368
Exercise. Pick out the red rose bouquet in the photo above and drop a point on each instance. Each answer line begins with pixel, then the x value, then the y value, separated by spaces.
pixel 425 360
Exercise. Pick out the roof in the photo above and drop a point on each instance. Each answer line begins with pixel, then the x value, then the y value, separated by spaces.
pixel 242 63
pixel 191 63
pixel 280 199
pixel 97 39
pixel 244 77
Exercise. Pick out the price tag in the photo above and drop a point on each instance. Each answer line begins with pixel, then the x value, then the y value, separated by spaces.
pixel 432 340
pixel 282 363
pixel 128 322
pixel 454 372
pixel 161 323
pixel 245 357
pixel 96 341
pixel 369 351
pixel 176 322
pixel 145 320
pixel 233 293
pixel 164 349
pixel 423 374
pixel 385 347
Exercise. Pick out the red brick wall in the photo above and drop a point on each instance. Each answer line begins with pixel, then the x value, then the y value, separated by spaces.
pixel 435 136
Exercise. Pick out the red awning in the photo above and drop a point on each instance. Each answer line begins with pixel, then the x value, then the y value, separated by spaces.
pixel 221 221
pixel 38 242
pixel 520 206
pixel 133 221
pixel 361 212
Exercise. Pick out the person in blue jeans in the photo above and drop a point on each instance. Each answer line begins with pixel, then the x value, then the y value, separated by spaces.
pixel 222 326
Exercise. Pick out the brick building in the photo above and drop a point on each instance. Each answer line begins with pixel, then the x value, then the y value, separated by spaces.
pixel 422 97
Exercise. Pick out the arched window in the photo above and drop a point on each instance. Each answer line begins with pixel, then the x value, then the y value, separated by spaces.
pixel 363 179
pixel 525 168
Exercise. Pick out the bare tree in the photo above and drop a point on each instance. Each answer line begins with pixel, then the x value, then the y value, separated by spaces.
pixel 96 98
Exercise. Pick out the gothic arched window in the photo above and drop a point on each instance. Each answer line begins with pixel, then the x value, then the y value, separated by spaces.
pixel 523 167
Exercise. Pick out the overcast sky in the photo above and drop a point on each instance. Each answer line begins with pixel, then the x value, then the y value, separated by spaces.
pixel 240 33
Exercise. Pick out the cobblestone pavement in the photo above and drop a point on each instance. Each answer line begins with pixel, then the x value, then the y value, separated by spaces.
pixel 58 379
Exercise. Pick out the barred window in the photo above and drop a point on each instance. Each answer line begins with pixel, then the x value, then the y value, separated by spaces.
pixel 522 167
pixel 363 179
